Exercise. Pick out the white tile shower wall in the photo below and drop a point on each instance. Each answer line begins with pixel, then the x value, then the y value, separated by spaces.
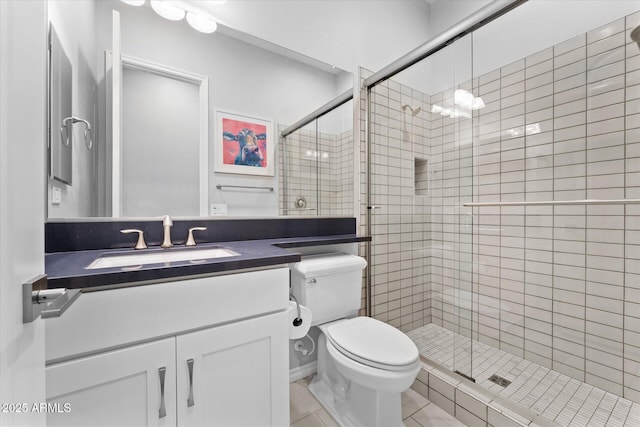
pixel 400 249
pixel 559 286
pixel 451 160
pixel 631 249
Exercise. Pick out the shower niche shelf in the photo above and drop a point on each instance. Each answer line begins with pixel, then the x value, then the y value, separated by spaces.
pixel 421 176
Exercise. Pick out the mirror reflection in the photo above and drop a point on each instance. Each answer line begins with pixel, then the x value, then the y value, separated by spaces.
pixel 317 164
pixel 60 142
pixel 155 134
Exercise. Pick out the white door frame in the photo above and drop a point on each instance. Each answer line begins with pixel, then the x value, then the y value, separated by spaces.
pixel 203 84
pixel 23 142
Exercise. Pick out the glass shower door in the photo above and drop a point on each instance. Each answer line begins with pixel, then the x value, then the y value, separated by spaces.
pixel 454 101
pixel 420 164
pixel 399 210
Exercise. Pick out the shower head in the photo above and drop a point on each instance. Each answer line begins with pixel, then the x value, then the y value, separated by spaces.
pixel 414 110
pixel 635 35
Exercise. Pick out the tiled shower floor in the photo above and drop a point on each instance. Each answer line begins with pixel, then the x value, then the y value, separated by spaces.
pixel 555 396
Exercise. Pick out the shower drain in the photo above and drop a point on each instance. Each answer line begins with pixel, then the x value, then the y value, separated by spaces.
pixel 503 382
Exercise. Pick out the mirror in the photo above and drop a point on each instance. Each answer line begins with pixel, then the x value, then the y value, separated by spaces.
pixel 60 128
pixel 317 166
pixel 246 77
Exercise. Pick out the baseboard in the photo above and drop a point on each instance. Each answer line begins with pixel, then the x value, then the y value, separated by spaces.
pixel 303 371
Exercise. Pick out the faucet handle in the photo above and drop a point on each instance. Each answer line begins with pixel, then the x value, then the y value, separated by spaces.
pixel 141 243
pixel 190 240
pixel 167 223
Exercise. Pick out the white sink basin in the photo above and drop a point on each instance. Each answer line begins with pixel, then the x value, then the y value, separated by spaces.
pixel 160 257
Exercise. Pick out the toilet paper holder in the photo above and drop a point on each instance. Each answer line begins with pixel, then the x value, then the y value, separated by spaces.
pixel 39 300
pixel 298 320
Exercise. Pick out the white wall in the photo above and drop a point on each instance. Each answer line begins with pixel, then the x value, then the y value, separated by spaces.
pixel 529 28
pixel 444 67
pixel 447 13
pixel 243 78
pixel 538 24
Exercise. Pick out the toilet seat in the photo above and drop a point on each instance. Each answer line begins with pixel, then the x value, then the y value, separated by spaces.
pixel 373 343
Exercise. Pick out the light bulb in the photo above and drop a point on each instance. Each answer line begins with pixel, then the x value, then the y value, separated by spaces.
pixel 167 10
pixel 477 103
pixel 201 23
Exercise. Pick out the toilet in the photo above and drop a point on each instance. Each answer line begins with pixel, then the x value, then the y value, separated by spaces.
pixel 363 364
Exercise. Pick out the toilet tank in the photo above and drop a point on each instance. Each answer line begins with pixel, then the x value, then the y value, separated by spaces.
pixel 329 285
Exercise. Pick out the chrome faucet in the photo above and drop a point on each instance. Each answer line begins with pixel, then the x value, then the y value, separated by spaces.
pixel 167 223
pixel 190 240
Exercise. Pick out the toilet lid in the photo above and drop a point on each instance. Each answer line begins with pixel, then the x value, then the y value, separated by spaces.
pixel 373 343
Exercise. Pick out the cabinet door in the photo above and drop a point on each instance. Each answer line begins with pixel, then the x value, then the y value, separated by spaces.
pixel 116 388
pixel 235 375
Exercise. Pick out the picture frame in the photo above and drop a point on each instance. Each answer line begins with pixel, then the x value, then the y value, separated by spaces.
pixel 244 144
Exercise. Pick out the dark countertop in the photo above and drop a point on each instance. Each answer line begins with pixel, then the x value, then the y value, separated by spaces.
pixel 68 269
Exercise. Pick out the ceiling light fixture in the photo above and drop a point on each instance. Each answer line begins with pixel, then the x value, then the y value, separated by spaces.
pixel 466 99
pixel 167 10
pixel 133 2
pixel 201 23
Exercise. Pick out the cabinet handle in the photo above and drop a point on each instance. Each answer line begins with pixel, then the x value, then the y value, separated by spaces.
pixel 190 401
pixel 161 372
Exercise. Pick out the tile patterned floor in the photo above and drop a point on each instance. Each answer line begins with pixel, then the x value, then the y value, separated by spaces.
pixel 305 411
pixel 555 396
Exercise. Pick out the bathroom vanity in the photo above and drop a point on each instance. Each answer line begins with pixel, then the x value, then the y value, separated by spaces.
pixel 205 351
pixel 182 343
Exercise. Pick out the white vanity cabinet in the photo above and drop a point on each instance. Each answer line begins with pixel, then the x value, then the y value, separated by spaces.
pixel 233 375
pixel 126 387
pixel 220 342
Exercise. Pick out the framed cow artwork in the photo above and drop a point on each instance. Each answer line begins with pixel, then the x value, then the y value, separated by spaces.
pixel 244 145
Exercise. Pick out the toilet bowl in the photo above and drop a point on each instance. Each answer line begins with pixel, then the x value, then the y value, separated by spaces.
pixel 373 353
pixel 363 364
pixel 363 367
